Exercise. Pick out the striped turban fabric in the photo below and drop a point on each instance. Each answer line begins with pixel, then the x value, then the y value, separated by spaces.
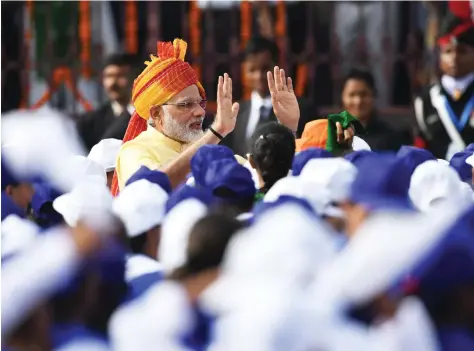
pixel 164 76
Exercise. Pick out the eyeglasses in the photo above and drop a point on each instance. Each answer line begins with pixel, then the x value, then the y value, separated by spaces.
pixel 188 106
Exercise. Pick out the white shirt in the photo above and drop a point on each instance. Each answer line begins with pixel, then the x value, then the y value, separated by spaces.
pixel 451 84
pixel 118 109
pixel 138 265
pixel 256 101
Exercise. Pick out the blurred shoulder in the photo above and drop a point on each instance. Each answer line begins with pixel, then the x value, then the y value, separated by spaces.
pixel 101 111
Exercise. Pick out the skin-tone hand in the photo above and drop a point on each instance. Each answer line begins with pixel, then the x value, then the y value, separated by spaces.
pixel 285 104
pixel 344 136
pixel 227 111
pixel 224 123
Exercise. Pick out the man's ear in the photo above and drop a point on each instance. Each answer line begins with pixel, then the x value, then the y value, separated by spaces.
pixel 156 113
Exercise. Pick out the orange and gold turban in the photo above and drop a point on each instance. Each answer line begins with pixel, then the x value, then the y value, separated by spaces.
pixel 165 76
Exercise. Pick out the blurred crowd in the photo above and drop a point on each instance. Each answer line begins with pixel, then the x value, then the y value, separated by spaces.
pixel 149 224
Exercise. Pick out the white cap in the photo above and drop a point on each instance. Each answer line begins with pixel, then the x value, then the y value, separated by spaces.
pixel 360 144
pixel 85 168
pixel 333 174
pixel 253 259
pixel 87 197
pixel 17 233
pixel 105 153
pixel 41 143
pixel 158 317
pixel 443 161
pixel 372 260
pixel 470 160
pixel 175 231
pixel 433 182
pixel 317 196
pixel 140 206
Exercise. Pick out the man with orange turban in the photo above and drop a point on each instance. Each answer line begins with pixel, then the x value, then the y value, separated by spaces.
pixel 169 98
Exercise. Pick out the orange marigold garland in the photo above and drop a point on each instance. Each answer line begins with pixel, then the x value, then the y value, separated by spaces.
pixel 85 33
pixel 131 27
pixel 245 34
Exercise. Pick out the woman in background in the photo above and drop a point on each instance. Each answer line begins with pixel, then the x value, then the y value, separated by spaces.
pixel 358 98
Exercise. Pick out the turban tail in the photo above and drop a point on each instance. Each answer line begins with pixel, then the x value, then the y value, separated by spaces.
pixel 165 76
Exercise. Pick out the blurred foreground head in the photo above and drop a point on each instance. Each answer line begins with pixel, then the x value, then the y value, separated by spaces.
pixel 381 184
pixel 205 250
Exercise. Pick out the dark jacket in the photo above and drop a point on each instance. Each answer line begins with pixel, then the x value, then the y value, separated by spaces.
pixel 101 124
pixel 381 136
pixel 238 141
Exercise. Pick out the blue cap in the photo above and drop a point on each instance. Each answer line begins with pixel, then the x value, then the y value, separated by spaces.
pixel 458 162
pixel 413 156
pixel 109 264
pixel 185 192
pixel 301 158
pixel 357 156
pixel 229 175
pixel 451 263
pixel 44 193
pixel 204 156
pixel 470 147
pixel 382 181
pixel 153 176
pixel 9 207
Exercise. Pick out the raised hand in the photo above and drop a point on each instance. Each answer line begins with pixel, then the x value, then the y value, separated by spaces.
pixel 227 111
pixel 345 136
pixel 285 104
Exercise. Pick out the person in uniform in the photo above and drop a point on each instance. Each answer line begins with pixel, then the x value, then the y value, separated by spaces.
pixel 445 111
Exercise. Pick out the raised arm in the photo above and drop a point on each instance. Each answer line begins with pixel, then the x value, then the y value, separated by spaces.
pixel 285 104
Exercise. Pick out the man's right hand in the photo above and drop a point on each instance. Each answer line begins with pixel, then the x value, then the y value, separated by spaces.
pixel 226 116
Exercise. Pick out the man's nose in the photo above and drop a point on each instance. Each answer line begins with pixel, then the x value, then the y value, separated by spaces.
pixel 198 111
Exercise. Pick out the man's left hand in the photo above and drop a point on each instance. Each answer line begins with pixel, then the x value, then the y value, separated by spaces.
pixel 285 104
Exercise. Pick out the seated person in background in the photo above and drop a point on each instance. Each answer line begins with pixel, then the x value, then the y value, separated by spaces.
pixel 111 119
pixel 358 98
pixel 260 56
pixel 444 111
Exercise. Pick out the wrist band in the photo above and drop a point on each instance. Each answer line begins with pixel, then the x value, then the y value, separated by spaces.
pixel 215 133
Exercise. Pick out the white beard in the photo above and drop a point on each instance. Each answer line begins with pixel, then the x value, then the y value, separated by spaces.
pixel 181 132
